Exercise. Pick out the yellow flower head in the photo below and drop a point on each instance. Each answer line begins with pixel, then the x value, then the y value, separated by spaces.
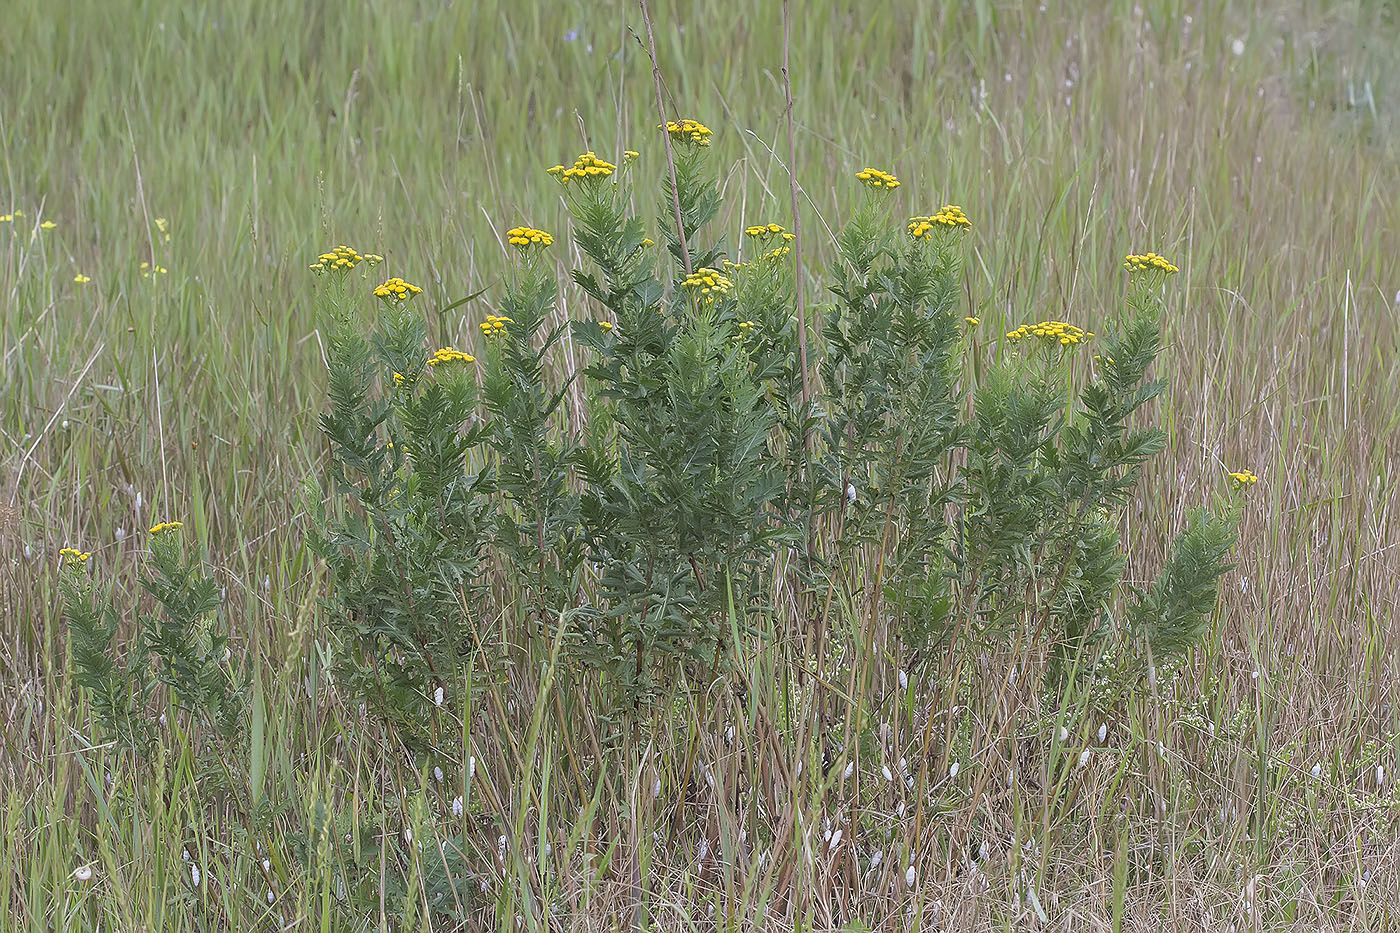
pixel 82 279
pixel 148 270
pixel 874 178
pixel 166 527
pixel 495 325
pixel 342 259
pixel 768 232
pixel 630 155
pixel 525 237
pixel 396 290
pixel 450 355
pixel 401 380
pixel 1051 332
pixel 1243 479
pixel 606 325
pixel 972 321
pixel 72 557
pixel 692 132
pixel 587 167
pixel 47 225
pixel 707 284
pixel 1149 262
pixel 950 217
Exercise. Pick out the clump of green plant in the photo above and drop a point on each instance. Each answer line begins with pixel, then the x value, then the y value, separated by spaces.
pixel 182 646
pixel 957 501
pixel 405 543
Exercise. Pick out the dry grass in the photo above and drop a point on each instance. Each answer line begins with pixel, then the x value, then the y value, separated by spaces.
pixel 263 132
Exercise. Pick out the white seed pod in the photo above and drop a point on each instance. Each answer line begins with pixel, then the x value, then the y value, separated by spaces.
pixel 437 774
pixel 194 874
pixel 903 679
pixel 910 876
pixel 1103 731
pixel 438 696
pixel 1317 769
pixel 953 770
pixel 835 840
pixel 83 873
pixel 877 858
pixel 456 806
pixel 1064 734
pixel 885 770
pixel 1084 757
pixel 850 492
pixel 850 769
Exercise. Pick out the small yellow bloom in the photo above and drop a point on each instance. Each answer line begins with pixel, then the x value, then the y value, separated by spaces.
pixel 166 527
pixel 1149 262
pixel 7 218
pixel 606 325
pixel 585 168
pixel 342 259
pixel 630 155
pixel 1243 479
pixel 692 132
pixel 949 217
pixel 874 178
pixel 82 279
pixel 707 283
pixel 397 290
pixel 974 321
pixel 495 325
pixel 72 557
pixel 47 225
pixel 450 355
pixel 525 237
pixel 400 380
pixel 648 241
pixel 1051 332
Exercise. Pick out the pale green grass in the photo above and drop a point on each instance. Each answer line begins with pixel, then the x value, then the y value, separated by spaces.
pixel 264 132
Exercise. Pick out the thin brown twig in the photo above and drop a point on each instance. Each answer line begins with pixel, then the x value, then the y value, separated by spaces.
pixel 666 136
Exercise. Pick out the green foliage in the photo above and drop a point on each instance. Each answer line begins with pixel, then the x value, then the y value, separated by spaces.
pixel 405 547
pixel 182 645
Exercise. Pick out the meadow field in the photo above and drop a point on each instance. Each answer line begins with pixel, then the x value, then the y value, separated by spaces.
pixel 168 172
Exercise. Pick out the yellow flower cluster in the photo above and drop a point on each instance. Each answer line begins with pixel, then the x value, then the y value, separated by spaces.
pixel 777 252
pixel 606 325
pixel 630 155
pixel 875 178
pixel 1149 262
pixel 10 217
pixel 342 259
pixel 73 557
pixel 585 166
pixel 162 226
pixel 82 279
pixel 495 325
pixel 746 329
pixel 528 236
pixel 396 289
pixel 950 216
pixel 401 380
pixel 763 231
pixel 450 355
pixel 166 527
pixel 47 225
pixel 972 321
pixel 708 282
pixel 688 131
pixel 148 270
pixel 1052 332
pixel 1243 479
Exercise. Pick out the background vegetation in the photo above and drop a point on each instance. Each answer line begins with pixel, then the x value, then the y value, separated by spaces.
pixel 225 145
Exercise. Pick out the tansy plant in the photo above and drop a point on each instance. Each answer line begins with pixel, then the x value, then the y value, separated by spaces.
pixel 409 520
pixel 640 512
pixel 181 645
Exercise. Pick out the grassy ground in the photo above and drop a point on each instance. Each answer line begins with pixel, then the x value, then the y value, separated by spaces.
pixel 1255 146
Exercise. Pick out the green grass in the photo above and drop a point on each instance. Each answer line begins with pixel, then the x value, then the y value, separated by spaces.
pixel 264 132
